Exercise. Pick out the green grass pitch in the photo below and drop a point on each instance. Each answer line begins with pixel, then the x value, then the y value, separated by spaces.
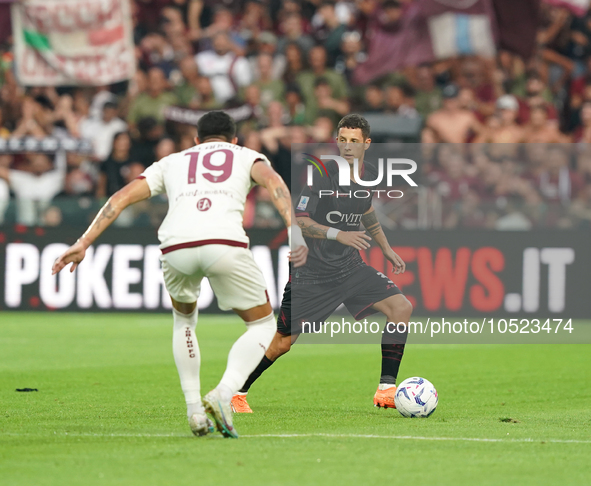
pixel 109 411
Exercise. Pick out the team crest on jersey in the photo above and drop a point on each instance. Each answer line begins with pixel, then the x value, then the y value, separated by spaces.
pixel 203 204
pixel 303 202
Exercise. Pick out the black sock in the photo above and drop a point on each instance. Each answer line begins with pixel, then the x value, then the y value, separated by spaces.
pixel 258 371
pixel 393 343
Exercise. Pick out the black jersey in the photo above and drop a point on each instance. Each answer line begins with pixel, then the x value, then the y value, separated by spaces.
pixel 328 259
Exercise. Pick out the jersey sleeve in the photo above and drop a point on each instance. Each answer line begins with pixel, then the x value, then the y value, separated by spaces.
pixel 154 176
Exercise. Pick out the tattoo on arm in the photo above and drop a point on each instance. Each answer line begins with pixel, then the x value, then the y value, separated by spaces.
pixel 107 213
pixel 313 230
pixel 371 224
pixel 282 202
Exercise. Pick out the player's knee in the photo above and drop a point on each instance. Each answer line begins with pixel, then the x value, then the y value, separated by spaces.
pixel 400 308
pixel 406 306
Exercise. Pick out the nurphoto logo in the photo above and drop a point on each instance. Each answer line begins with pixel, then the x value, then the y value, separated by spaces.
pixel 392 169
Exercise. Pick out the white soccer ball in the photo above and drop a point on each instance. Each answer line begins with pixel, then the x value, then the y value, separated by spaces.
pixel 416 397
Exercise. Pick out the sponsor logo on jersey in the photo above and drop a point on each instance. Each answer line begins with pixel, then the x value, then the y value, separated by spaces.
pixel 203 204
pixel 303 202
pixel 352 219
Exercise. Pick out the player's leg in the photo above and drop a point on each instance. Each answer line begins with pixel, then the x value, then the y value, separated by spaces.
pixel 280 345
pixel 313 303
pixel 397 310
pixel 184 289
pixel 371 291
pixel 239 284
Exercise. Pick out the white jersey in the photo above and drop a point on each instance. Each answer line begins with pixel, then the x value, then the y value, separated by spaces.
pixel 206 187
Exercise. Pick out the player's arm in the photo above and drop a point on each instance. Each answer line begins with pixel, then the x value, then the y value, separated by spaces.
pixel 311 229
pixel 374 228
pixel 265 176
pixel 135 191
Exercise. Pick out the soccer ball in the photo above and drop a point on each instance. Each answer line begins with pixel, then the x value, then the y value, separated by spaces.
pixel 416 397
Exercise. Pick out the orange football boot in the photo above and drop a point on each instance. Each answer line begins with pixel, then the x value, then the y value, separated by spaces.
pixel 240 405
pixel 385 397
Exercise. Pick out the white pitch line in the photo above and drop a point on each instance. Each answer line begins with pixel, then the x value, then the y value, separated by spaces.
pixel 330 436
pixel 412 437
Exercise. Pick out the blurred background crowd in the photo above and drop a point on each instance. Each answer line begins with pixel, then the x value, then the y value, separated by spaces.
pixel 292 69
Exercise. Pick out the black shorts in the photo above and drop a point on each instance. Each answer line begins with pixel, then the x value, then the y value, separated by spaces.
pixel 316 302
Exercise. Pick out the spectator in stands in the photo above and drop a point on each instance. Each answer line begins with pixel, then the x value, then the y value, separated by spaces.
pixel 400 101
pixel 506 130
pixel 294 63
pixel 351 55
pixel 37 118
pixel 114 169
pixel 186 88
pixel 328 105
pixel 101 132
pixel 540 129
pixel 373 101
pixel 267 45
pixel 328 29
pixel 164 148
pixel 323 130
pixel 157 52
pixel 452 123
pixel 255 19
pixel 536 93
pixel 295 105
pixel 307 81
pixel 271 89
pixel 473 76
pixel 226 71
pixel 453 183
pixel 35 186
pixel 427 93
pixel 153 102
pixel 79 178
pixel 223 23
pixel 558 183
pixel 143 148
pixel 292 30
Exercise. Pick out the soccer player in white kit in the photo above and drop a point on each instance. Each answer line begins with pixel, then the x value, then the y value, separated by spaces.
pixel 202 236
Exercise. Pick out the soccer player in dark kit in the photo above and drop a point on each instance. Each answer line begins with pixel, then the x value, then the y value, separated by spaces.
pixel 335 273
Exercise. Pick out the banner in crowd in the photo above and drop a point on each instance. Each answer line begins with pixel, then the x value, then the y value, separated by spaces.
pixel 45 145
pixel 578 7
pixel 72 42
pixel 191 117
pixel 448 273
pixel 431 30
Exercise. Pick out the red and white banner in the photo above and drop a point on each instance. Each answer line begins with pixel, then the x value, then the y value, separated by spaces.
pixel 72 42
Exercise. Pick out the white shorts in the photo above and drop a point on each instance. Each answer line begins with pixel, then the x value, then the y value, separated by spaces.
pixel 234 276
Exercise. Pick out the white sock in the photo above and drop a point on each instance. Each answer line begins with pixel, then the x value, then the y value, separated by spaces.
pixel 246 354
pixel 187 358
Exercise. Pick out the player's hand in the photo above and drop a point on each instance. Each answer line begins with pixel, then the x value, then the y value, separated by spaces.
pixel 398 263
pixel 74 254
pixel 357 239
pixel 299 256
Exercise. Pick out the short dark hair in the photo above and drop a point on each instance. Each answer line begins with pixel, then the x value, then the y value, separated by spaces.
pixel 216 124
pixel 44 101
pixel 355 121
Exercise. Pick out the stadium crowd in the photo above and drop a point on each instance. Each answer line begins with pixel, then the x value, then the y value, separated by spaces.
pixel 291 65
